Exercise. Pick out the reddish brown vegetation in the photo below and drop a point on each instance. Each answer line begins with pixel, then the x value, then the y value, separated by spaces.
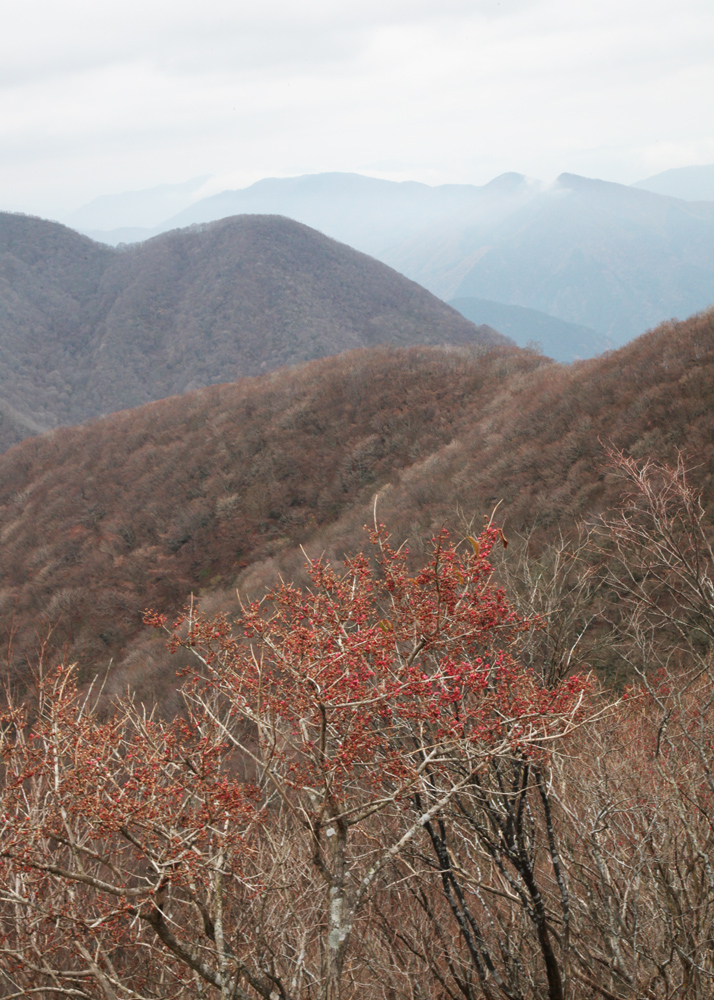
pixel 368 796
pixel 196 492
pixel 367 709
pixel 141 508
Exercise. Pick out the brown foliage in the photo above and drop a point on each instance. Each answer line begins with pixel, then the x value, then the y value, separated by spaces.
pixel 368 795
pixel 237 847
pixel 141 508
pixel 222 486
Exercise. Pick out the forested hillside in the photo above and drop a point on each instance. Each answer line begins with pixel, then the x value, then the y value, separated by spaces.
pixel 198 492
pixel 87 330
pixel 615 259
pixel 140 508
pixel 391 776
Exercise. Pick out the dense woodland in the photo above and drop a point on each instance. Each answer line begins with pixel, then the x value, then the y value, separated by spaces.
pixel 371 791
pixel 87 330
pixel 453 757
pixel 221 487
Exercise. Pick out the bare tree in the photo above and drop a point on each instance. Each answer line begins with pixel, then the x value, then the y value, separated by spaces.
pixel 638 800
pixel 237 850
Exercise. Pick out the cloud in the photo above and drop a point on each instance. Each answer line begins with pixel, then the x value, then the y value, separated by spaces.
pixel 42 38
pixel 96 97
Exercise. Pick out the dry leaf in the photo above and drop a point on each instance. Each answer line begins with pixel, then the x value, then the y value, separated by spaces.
pixel 474 544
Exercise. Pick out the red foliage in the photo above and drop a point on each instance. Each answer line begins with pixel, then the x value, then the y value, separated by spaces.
pixel 374 649
pixel 364 706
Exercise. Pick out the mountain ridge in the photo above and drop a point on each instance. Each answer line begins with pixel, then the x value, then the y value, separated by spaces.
pixel 694 183
pixel 221 487
pixel 570 249
pixel 564 342
pixel 86 329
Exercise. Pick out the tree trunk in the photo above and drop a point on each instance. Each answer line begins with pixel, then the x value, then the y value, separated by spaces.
pixel 338 929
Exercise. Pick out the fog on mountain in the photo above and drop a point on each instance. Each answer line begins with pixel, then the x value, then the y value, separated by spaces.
pixel 602 256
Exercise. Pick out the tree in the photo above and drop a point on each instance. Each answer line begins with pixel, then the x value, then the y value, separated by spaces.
pixel 117 836
pixel 244 847
pixel 635 795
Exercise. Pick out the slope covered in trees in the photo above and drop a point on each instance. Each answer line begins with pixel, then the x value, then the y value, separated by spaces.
pixel 223 485
pixel 613 258
pixel 87 330
pixel 366 791
pixel 141 507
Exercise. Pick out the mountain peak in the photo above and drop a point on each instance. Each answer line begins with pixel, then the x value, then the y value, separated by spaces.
pixel 89 330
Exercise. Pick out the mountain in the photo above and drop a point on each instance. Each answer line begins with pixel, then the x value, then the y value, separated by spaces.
pixel 561 341
pixel 221 487
pixel 48 275
pixel 370 214
pixel 689 183
pixel 601 255
pixel 145 208
pixel 86 329
pixel 15 426
pixel 139 508
pixel 612 258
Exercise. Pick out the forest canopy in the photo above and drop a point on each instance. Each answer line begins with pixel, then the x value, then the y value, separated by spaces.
pixel 221 488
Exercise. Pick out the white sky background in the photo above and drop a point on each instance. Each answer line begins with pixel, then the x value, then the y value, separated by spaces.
pixel 103 96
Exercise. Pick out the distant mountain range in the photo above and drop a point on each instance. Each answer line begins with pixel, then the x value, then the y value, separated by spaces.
pixel 135 208
pixel 86 329
pixel 611 258
pixel 688 183
pixel 557 339
pixel 370 214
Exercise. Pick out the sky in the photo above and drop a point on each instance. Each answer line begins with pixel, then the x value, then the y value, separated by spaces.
pixel 103 96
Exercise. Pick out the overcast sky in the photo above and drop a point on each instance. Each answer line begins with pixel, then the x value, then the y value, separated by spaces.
pixel 103 96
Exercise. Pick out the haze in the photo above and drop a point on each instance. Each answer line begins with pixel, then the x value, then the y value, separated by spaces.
pixel 100 98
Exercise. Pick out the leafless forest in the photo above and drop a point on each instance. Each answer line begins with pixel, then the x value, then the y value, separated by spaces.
pixel 454 757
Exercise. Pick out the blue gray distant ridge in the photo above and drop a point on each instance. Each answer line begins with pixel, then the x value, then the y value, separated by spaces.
pixel 688 183
pixel 604 257
pixel 553 337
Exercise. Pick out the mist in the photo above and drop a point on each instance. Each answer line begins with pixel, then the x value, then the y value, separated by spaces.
pixel 102 99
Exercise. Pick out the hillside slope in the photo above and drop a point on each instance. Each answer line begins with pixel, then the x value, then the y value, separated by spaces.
pixel 48 277
pixel 564 342
pixel 198 492
pixel 138 509
pixel 694 183
pixel 602 255
pixel 87 330
pixel 606 256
